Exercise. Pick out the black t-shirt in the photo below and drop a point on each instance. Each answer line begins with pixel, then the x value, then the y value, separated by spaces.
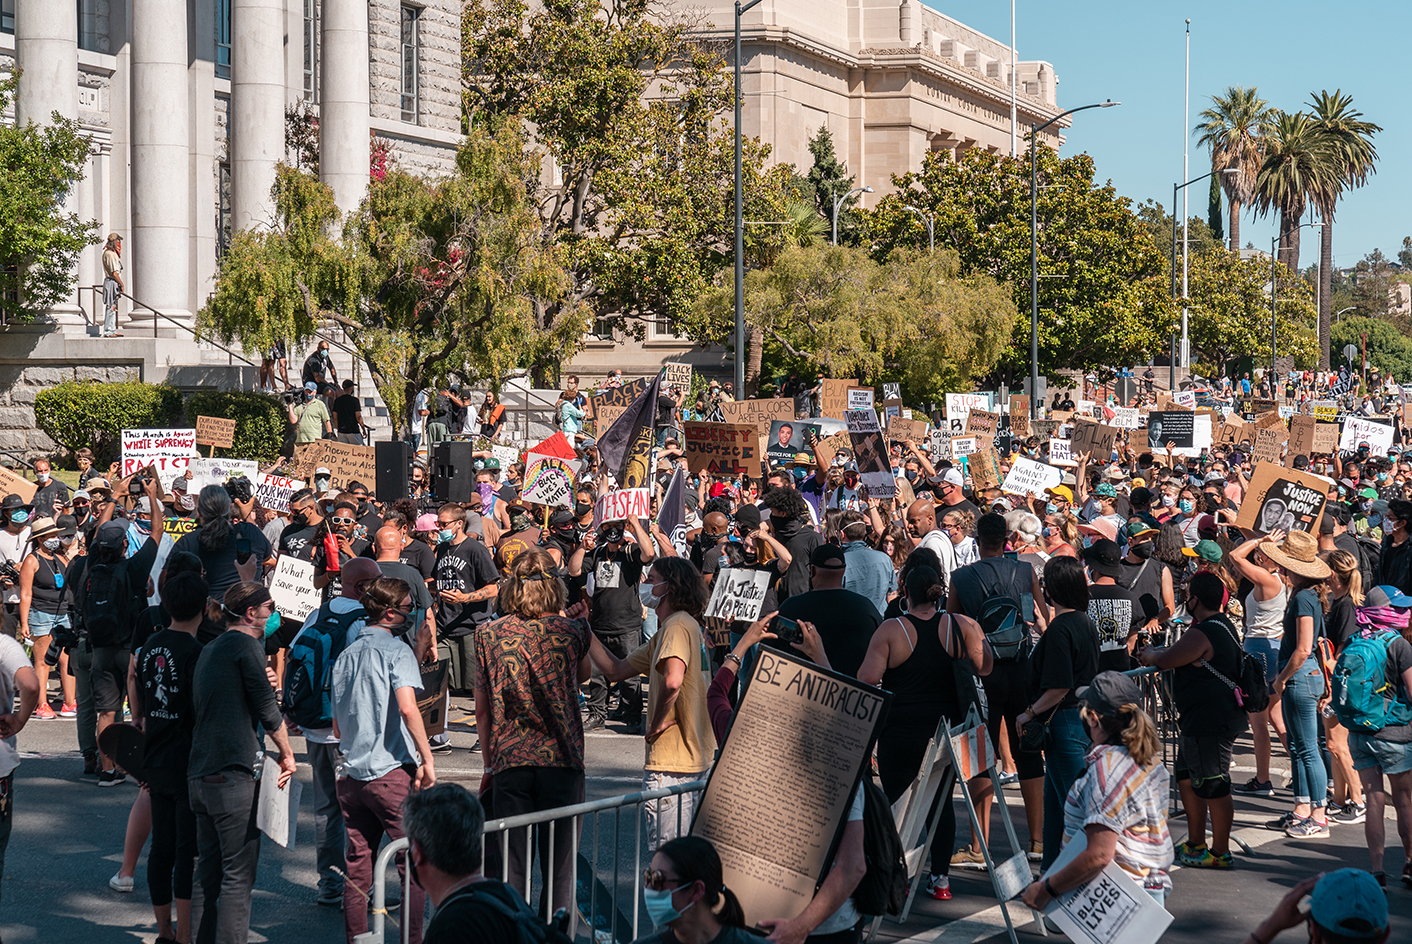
pixel 962 505
pixel 1206 706
pixel 796 577
pixel 845 620
pixel 166 665
pixel 465 917
pixel 1145 581
pixel 345 410
pixel 316 365
pixel 1116 614
pixel 1065 657
pixel 297 540
pixel 220 564
pixel 320 559
pixel 466 567
pixel 616 607
pixel 1341 622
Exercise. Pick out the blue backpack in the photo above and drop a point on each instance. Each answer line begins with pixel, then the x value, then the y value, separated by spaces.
pixel 1360 693
pixel 308 673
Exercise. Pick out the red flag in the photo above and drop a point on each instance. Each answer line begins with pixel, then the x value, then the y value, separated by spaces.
pixel 556 446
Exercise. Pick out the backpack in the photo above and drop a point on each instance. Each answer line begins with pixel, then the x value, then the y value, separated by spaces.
pixel 106 607
pixel 883 888
pixel 505 900
pixel 1001 621
pixel 1360 693
pixel 1252 690
pixel 308 675
pixel 1370 558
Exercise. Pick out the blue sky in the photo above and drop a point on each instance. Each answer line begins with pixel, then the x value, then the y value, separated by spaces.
pixel 1132 52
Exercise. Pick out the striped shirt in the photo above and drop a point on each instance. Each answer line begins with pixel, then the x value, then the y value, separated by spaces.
pixel 1114 792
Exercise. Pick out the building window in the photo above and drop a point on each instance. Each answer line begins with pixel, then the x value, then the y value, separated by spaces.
pixel 660 329
pixel 223 39
pixel 311 51
pixel 7 16
pixel 411 63
pixel 222 208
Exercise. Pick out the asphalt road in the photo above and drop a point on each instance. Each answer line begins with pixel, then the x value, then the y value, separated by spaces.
pixel 68 835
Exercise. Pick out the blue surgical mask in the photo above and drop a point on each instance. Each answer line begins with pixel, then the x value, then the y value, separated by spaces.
pixel 444 536
pixel 271 624
pixel 659 905
pixel 1187 506
pixel 1051 509
pixel 19 517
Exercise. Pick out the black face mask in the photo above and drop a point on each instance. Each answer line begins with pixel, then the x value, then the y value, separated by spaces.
pixel 581 509
pixel 1143 550
pixel 785 528
pixel 299 518
pixel 613 536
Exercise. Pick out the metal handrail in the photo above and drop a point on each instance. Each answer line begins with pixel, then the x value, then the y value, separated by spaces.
pixel 186 327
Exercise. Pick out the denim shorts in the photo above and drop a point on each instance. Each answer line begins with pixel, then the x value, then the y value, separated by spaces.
pixel 1268 652
pixel 1369 751
pixel 42 624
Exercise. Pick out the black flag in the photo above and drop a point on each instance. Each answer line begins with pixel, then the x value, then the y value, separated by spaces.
pixel 618 442
pixel 671 517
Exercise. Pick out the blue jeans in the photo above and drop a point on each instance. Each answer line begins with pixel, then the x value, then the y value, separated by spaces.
pixel 1064 752
pixel 1301 711
pixel 42 623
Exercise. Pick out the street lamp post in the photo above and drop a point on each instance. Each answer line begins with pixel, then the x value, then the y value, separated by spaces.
pixel 1275 247
pixel 739 220
pixel 1034 248
pixel 1184 352
pixel 840 202
pixel 931 224
pixel 1340 312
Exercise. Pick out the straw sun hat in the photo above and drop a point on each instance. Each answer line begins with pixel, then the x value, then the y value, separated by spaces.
pixel 1298 554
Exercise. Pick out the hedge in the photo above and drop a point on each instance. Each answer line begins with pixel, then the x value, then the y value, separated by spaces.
pixel 92 414
pixel 260 421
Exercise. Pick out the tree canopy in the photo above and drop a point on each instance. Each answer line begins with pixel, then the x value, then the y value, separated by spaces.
pixel 1229 305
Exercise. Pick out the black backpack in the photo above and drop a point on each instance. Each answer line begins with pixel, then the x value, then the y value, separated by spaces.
pixel 1251 689
pixel 106 604
pixel 1001 619
pixel 1370 558
pixel 504 899
pixel 883 889
pixel 308 675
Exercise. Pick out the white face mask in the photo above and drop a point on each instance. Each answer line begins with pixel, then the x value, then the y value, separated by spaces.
pixel 648 598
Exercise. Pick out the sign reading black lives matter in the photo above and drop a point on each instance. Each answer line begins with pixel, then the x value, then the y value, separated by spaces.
pixel 1177 427
pixel 1282 499
pixel 799 740
pixel 738 593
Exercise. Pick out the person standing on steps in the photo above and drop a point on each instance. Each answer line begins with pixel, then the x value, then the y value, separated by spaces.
pixel 113 285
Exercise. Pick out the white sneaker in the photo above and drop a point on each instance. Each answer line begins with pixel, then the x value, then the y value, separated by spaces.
pixel 120 882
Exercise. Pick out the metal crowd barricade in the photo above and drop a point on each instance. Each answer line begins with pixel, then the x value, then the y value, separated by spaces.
pixel 603 920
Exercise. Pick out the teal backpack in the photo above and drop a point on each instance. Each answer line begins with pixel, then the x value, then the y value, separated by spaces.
pixel 1360 693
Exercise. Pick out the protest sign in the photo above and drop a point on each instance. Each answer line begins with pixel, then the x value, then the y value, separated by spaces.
pixel 1126 417
pixel 828 447
pixel 874 466
pixel 1028 477
pixel 1110 908
pixel 621 504
pixel 1284 499
pixel 431 702
pixel 217 471
pixel 860 398
pixel 12 484
pixel 1358 430
pixel 963 446
pixel 901 430
pixel 1060 452
pixel 738 593
pixel 786 439
pixel 1269 444
pixel 959 407
pixel 214 431
pixel 1262 406
pixel 348 462
pixel 505 455
pixel 983 425
pixel 892 391
pixel 610 403
pixel 1326 439
pixel 169 451
pixel 1232 432
pixel 722 448
pixel 1325 411
pixel 940 444
pixel 799 732
pixel 550 480
pixel 1184 398
pixel 1020 415
pixel 833 397
pixel 758 413
pixel 307 458
pixel 1301 437
pixel 1093 438
pixel 1177 427
pixel 1268 419
pixel 1043 429
pixel 277 812
pixel 676 375
pixel 292 588
pixel 891 410
pixel 984 466
pixel 273 491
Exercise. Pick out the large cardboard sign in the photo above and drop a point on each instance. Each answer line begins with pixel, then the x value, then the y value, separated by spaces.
pixel 758 413
pixel 1284 499
pixel 1094 438
pixel 829 447
pixel 874 466
pixel 983 425
pixel 169 451
pixel 722 448
pixel 801 734
pixel 273 491
pixel 348 462
pixel 833 397
pixel 12 484
pixel 1301 437
pixel 1127 417
pixel 1326 439
pixel 1028 477
pixel 621 504
pixel 901 429
pixel 550 480
pixel 1358 430
pixel 609 404
pixel 1269 444
pixel 676 375
pixel 1177 427
pixel 215 431
pixel 1020 415
pixel 1111 908
pixel 292 588
pixel 984 466
pixel 738 593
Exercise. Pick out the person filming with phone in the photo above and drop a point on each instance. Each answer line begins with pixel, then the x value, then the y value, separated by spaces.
pixel 230 551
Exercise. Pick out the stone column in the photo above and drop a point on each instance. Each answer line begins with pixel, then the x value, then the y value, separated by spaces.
pixel 201 90
pixel 46 50
pixel 344 126
pixel 257 109
pixel 158 261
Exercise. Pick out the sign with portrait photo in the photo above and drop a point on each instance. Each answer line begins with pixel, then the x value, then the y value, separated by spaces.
pixel 1282 499
pixel 786 439
pixel 1177 427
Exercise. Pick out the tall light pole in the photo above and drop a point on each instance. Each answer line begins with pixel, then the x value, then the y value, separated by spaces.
pixel 931 223
pixel 1185 346
pixel 1034 247
pixel 1184 351
pixel 1275 247
pixel 840 202
pixel 739 220
pixel 1342 310
pixel 1014 128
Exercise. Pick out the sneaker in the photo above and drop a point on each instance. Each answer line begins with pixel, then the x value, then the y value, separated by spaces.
pixel 44 712
pixel 475 748
pixel 1008 778
pixel 1283 823
pixel 939 887
pixel 1350 815
pixel 1189 852
pixel 68 711
pixel 1208 860
pixel 968 858
pixel 121 883
pixel 1036 852
pixel 443 748
pixel 1308 828
pixel 1407 875
pixel 593 722
pixel 90 765
pixel 1253 787
pixel 110 778
pixel 328 895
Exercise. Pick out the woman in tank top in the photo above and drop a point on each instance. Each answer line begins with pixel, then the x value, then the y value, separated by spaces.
pixel 1264 628
pixel 42 612
pixel 912 656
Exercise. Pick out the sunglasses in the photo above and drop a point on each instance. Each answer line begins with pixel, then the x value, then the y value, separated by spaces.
pixel 658 880
pixel 343 520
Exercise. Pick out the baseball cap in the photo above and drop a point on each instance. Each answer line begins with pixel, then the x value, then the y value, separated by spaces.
pixel 1105 490
pixel 1206 526
pixel 1367 493
pixel 311 387
pixel 1385 594
pixel 1115 473
pixel 322 470
pixel 81 495
pixel 1349 903
pixel 1104 557
pixel 1138 529
pixel 473 523
pixel 1062 491
pixel 111 535
pixel 1206 550
pixel 828 557
pixel 1108 692
pixel 953 477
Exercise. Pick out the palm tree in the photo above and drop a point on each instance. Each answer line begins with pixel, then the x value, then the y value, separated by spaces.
pixel 1353 157
pixel 1296 166
pixel 1233 128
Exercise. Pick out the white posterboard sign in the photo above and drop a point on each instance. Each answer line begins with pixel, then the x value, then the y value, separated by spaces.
pixel 962 446
pixel 1201 437
pixel 505 455
pixel 215 472
pixel 292 588
pixel 273 491
pixel 1185 398
pixel 738 593
pixel 1028 477
pixel 1126 417
pixel 1059 451
pixel 277 813
pixel 550 480
pixel 621 504
pixel 1108 909
pixel 860 398
pixel 1357 430
pixel 170 450
pixel 940 443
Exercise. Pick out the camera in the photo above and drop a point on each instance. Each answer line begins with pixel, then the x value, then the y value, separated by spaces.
pixel 8 571
pixel 65 638
pixel 137 485
pixel 239 489
pixel 292 395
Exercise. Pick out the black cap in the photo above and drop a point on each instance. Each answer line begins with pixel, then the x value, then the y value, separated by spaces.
pixel 1105 557
pixel 1108 692
pixel 563 518
pixel 1141 496
pixel 827 556
pixel 748 515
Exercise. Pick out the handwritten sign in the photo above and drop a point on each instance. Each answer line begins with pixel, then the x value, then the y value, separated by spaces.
pixel 12 484
pixel 277 812
pixel 292 588
pixel 892 391
pixel 676 375
pixel 1358 430
pixel 983 425
pixel 217 471
pixel 613 402
pixel 550 480
pixel 1185 399
pixel 901 429
pixel 1284 499
pixel 1060 452
pixel 1020 415
pixel 722 448
pixel 215 431
pixel 1269 443
pixel 1094 438
pixel 738 593
pixel 273 491
pixel 1326 439
pixel 1027 477
pixel 833 397
pixel 169 451
pixel 621 504
pixel 829 447
pixel 1301 437
pixel 940 444
pixel 984 466
pixel 348 462
pixel 1126 417
pixel 759 413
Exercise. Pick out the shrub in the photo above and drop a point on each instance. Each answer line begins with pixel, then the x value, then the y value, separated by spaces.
pixel 88 413
pixel 260 421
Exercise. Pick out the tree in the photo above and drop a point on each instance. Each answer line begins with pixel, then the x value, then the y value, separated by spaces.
pixel 1233 128
pixel 39 241
pixel 431 278
pixel 1103 294
pixel 830 180
pixel 1295 168
pixel 1229 304
pixel 1388 349
pixel 1374 280
pixel 1352 157
pixel 1158 223
pixel 1213 208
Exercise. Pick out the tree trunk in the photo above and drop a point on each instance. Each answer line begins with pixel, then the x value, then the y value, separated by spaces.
pixel 1326 263
pixel 1235 225
pixel 755 350
pixel 1288 251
